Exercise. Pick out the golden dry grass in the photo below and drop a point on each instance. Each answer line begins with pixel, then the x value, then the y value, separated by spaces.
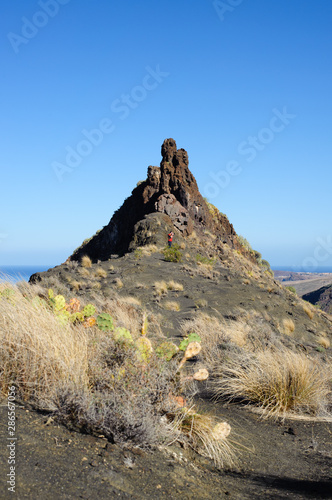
pixel 309 310
pixel 131 300
pixel 76 285
pixel 288 326
pixel 280 382
pixel 84 272
pixel 118 283
pixel 205 436
pixel 171 305
pixel 86 261
pixel 173 285
pixel 37 353
pixel 100 272
pixel 160 288
pixel 324 341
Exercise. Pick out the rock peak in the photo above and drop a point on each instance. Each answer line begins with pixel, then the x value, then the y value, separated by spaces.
pixel 168 199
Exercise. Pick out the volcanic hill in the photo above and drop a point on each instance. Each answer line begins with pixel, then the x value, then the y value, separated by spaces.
pixel 218 274
pixel 211 284
pixel 321 297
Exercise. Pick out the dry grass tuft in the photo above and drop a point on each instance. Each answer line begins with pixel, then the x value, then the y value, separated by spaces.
pixel 288 326
pixel 131 300
pixel 309 310
pixel 171 305
pixel 173 285
pixel 37 353
pixel 84 272
pixel 76 285
pixel 118 283
pixel 206 435
pixel 280 382
pixel 324 341
pixel 160 288
pixel 100 272
pixel 86 261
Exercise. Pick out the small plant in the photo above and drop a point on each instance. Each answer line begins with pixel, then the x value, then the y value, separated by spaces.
pixel 89 310
pixel 308 310
pixel 167 350
pixel 173 253
pixel 201 303
pixel 171 305
pixel 123 335
pixel 86 261
pixel 160 288
pixel 291 289
pixel 173 285
pixel 105 322
pixel 200 259
pixel 138 253
pixel 100 272
pixel 191 337
pixel 118 283
pixel 288 325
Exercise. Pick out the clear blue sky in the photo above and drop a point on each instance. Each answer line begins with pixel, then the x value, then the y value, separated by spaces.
pixel 245 89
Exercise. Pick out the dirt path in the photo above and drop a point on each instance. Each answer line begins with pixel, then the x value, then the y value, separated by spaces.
pixel 288 460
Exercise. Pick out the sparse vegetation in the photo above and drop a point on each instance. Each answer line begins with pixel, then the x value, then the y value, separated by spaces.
pixel 173 253
pixel 171 305
pixel 100 272
pixel 173 285
pixel 86 261
pixel 309 310
pixel 288 326
pixel 102 378
pixel 278 382
pixel 201 259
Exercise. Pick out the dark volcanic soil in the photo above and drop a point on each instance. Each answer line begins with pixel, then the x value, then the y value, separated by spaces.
pixel 292 459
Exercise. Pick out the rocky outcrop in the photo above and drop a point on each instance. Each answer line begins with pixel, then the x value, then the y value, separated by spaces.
pixel 321 298
pixel 170 190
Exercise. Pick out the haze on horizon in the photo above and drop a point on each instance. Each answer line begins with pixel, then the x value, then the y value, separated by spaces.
pixel 90 91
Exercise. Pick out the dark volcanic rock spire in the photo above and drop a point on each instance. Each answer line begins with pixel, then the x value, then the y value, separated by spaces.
pixel 168 199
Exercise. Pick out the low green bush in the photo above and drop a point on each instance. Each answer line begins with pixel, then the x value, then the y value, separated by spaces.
pixel 173 253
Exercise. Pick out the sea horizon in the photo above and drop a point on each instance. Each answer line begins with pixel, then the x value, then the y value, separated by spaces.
pixel 15 273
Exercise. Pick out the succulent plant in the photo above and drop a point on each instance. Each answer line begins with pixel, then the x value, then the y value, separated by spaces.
pixel 166 350
pixel 144 348
pixel 89 322
pixel 201 374
pixel 122 334
pixel 192 337
pixel 57 303
pixel 89 310
pixel 105 322
pixel 192 350
pixel 73 306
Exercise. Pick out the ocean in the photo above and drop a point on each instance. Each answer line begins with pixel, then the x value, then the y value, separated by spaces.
pixel 299 269
pixel 23 273
pixel 20 273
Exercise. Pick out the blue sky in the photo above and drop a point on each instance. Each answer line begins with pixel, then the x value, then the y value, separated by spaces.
pixel 89 91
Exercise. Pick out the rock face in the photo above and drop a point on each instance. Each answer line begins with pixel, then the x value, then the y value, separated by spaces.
pixel 321 297
pixel 168 199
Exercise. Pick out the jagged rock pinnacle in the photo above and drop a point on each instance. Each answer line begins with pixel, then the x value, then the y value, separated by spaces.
pixel 168 199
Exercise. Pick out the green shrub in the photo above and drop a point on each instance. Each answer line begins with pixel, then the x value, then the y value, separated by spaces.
pixel 291 289
pixel 173 253
pixel 204 260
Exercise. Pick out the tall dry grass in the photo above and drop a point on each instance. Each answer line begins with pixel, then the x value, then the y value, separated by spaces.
pixel 280 382
pixel 92 382
pixel 37 353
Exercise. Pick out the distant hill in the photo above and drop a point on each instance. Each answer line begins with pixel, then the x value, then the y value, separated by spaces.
pixel 303 282
pixel 321 297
